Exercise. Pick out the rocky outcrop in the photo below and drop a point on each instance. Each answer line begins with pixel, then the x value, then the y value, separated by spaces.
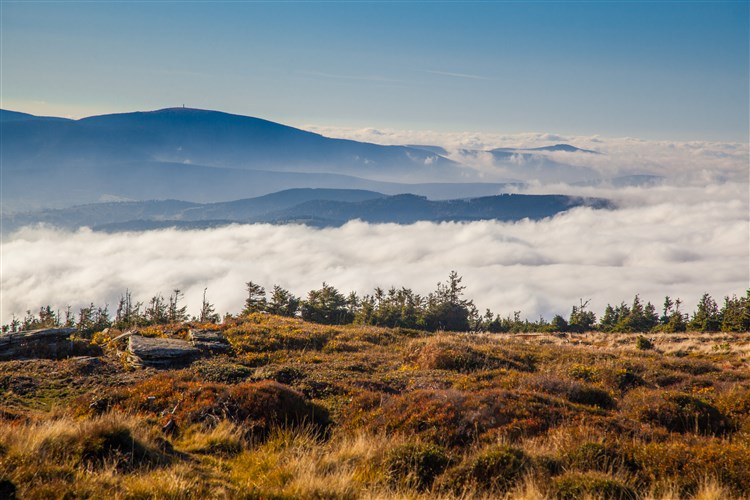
pixel 43 343
pixel 161 352
pixel 210 341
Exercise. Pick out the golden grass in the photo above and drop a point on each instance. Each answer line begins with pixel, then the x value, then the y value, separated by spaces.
pixel 574 406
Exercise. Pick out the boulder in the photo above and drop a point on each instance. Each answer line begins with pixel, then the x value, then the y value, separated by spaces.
pixel 210 341
pixel 161 352
pixel 43 343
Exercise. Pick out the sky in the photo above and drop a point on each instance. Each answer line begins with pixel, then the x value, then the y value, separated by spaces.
pixel 656 70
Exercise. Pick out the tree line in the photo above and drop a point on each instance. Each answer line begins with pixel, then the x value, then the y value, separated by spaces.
pixel 445 308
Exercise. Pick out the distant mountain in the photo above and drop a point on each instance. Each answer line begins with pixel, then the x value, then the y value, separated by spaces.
pixel 12 116
pixel 243 210
pixel 160 180
pixel 433 149
pixel 317 207
pixel 555 147
pixel 408 209
pixel 142 155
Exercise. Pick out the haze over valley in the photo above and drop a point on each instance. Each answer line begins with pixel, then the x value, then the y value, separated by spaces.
pixel 633 216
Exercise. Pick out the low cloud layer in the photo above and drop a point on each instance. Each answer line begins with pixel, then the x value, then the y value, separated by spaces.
pixel 682 238
pixel 682 162
pixel 672 241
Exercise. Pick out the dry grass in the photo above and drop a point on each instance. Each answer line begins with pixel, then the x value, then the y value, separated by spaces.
pixel 310 411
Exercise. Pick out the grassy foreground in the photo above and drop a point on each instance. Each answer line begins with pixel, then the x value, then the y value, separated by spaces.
pixel 309 411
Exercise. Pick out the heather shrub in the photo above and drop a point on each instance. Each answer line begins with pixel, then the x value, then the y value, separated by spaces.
pixel 282 374
pixel 449 354
pixel 268 333
pixel 258 405
pixel 599 457
pixel 224 438
pixel 587 373
pixel 456 418
pixel 221 371
pixel 109 440
pixel 577 485
pixel 643 344
pixel 685 465
pixel 622 379
pixel 573 391
pixel 693 366
pixel 681 412
pixel 415 465
pixel 735 404
pixel 436 354
pixel 494 469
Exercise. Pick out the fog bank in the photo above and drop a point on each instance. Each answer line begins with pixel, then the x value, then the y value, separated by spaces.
pixel 662 241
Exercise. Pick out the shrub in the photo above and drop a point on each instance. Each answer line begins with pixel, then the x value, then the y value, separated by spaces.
pixel 623 379
pixel 576 485
pixel 735 404
pixel 263 405
pixel 439 354
pixel 415 465
pixel 592 396
pixel 106 440
pixel 282 374
pixel 445 353
pixel 599 457
pixel 684 465
pixel 586 373
pixel 456 418
pixel 259 405
pixel 575 392
pixel 694 366
pixel 680 412
pixel 268 333
pixel 221 371
pixel 643 344
pixel 224 438
pixel 493 470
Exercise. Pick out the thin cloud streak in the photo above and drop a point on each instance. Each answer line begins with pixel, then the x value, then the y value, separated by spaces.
pixel 361 78
pixel 460 75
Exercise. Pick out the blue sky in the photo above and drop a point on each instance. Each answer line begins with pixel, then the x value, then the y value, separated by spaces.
pixel 663 70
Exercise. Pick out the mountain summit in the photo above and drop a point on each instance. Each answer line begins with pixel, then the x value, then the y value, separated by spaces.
pixel 144 155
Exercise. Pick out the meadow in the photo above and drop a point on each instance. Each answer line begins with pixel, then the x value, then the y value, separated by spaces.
pixel 304 410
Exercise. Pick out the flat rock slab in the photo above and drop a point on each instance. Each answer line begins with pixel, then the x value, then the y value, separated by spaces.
pixel 43 343
pixel 160 352
pixel 212 341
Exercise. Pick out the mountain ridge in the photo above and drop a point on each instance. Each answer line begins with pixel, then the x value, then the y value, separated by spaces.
pixel 324 208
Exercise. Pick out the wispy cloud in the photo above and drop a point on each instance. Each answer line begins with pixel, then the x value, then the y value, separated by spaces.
pixel 360 78
pixel 460 75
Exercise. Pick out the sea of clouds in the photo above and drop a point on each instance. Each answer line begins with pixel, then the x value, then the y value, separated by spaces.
pixel 682 238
